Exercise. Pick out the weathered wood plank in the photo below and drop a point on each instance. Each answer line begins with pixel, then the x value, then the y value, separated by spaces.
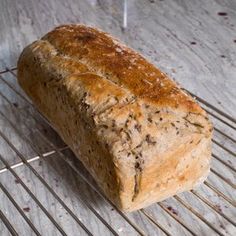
pixel 189 40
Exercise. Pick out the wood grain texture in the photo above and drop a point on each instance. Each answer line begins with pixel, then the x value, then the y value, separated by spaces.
pixel 189 41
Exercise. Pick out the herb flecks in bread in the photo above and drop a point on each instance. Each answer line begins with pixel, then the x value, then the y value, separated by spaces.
pixel 141 137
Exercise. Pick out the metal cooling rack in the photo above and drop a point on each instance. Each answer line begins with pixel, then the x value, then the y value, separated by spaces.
pixel 208 210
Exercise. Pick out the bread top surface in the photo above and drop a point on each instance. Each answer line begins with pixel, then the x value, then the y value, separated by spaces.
pixel 112 60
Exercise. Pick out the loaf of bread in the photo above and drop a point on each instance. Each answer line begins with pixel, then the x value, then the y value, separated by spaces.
pixel 140 136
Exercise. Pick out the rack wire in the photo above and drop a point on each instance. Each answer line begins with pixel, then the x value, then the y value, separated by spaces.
pixel 209 210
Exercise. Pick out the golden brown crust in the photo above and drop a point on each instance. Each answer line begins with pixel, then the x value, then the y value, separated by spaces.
pixel 121 65
pixel 140 136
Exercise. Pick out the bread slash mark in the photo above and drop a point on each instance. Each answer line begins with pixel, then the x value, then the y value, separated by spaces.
pixel 137 180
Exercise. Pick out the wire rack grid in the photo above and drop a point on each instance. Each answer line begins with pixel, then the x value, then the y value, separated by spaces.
pixel 45 190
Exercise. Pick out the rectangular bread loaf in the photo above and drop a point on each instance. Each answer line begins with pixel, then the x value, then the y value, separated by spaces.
pixel 141 137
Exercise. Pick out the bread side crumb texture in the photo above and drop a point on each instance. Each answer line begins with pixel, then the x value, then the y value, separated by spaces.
pixel 141 137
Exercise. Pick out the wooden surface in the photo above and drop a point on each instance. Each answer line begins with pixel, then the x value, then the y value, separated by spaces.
pixel 190 41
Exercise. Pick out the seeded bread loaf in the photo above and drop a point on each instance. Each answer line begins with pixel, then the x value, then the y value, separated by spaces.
pixel 141 137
